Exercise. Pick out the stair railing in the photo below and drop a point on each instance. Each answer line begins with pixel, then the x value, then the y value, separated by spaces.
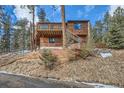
pixel 73 36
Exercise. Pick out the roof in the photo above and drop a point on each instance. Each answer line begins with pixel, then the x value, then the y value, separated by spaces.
pixel 78 21
pixel 61 22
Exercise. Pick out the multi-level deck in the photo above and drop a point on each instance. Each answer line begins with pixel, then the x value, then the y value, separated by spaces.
pixel 50 34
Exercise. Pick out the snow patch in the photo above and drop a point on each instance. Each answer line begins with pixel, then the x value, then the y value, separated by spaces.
pixel 99 85
pixel 106 54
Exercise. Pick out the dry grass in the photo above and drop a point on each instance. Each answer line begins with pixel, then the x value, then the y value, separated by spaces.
pixel 93 69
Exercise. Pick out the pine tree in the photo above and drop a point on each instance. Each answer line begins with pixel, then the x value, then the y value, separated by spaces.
pixel 106 21
pixel 98 32
pixel 5 29
pixel 1 23
pixel 116 37
pixel 42 15
pixel 6 34
pixel 32 11
pixel 21 35
pixel 16 39
pixel 106 26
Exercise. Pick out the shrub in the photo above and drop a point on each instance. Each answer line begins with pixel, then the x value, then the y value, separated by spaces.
pixel 85 52
pixel 49 59
pixel 76 54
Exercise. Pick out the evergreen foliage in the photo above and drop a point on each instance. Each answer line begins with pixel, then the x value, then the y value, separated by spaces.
pixel 42 15
pixel 116 33
pixel 110 30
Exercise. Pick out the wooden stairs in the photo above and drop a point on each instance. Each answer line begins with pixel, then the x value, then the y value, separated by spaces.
pixel 72 38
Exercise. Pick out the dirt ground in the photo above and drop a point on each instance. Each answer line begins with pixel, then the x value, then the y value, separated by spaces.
pixel 93 69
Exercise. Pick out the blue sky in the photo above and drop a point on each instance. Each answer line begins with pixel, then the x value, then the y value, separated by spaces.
pixel 79 12
pixel 73 12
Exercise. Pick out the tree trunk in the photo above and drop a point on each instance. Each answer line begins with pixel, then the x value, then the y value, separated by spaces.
pixel 63 25
pixel 33 27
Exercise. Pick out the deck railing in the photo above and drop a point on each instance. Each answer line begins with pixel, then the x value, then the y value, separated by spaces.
pixel 51 27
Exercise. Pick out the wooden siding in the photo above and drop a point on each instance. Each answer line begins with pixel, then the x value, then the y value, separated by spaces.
pixel 55 30
pixel 44 41
pixel 82 31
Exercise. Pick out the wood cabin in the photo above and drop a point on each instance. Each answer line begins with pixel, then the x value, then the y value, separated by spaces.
pixel 49 34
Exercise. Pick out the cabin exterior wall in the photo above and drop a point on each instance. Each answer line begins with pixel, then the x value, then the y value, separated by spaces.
pixel 50 34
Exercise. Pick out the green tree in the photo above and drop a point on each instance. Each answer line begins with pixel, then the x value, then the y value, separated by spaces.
pixel 116 33
pixel 20 35
pixel 106 21
pixel 98 31
pixel 5 39
pixel 1 23
pixel 106 27
pixel 32 11
pixel 15 39
pixel 42 15
pixel 5 29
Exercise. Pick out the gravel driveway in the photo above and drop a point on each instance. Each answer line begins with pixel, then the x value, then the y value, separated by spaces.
pixel 18 81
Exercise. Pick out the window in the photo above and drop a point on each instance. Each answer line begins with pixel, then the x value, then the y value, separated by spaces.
pixel 77 26
pixel 43 26
pixel 51 40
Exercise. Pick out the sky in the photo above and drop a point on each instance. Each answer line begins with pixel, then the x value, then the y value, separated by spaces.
pixel 72 12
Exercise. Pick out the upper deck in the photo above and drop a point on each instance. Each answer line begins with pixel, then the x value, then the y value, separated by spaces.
pixel 76 27
pixel 49 29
